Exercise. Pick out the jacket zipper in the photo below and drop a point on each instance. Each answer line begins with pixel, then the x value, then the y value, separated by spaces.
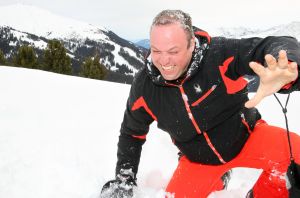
pixel 191 116
pixel 188 109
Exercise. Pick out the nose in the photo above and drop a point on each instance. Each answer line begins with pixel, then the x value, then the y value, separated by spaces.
pixel 164 60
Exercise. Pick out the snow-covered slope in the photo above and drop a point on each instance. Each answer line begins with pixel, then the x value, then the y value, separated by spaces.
pixel 26 24
pixel 58 137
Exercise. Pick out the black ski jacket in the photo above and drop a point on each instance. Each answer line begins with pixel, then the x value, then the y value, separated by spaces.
pixel 203 111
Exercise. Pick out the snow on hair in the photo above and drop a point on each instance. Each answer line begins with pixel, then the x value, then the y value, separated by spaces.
pixel 167 17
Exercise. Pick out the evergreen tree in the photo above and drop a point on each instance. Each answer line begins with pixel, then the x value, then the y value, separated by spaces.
pixel 56 58
pixel 26 57
pixel 92 68
pixel 2 58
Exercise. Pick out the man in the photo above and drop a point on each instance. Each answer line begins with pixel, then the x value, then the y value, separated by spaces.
pixel 193 87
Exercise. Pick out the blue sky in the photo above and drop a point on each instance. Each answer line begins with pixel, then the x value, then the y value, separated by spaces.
pixel 131 18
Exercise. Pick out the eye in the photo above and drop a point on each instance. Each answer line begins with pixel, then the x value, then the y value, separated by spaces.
pixel 155 51
pixel 173 52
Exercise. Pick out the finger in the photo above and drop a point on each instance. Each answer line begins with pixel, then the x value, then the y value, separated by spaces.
pixel 282 59
pixel 254 101
pixel 257 68
pixel 271 62
pixel 293 67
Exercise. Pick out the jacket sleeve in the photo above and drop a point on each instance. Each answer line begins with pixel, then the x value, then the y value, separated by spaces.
pixel 255 49
pixel 134 128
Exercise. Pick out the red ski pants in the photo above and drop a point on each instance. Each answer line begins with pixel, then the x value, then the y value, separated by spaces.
pixel 267 149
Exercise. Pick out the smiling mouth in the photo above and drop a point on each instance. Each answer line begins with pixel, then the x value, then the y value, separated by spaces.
pixel 168 68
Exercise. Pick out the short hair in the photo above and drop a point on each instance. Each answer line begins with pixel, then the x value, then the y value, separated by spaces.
pixel 167 17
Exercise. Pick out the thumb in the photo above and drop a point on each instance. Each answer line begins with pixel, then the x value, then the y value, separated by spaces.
pixel 254 101
pixel 257 68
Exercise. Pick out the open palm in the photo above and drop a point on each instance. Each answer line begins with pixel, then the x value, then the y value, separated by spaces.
pixel 277 74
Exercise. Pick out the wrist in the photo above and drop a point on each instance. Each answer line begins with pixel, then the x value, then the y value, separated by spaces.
pixel 126 176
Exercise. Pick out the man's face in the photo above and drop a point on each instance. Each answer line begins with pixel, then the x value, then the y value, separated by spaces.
pixel 170 50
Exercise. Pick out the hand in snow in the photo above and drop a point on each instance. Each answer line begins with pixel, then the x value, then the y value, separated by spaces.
pixel 121 187
pixel 273 77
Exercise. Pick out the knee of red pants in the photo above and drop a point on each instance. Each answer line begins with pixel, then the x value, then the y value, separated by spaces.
pixel 271 142
pixel 194 180
pixel 270 185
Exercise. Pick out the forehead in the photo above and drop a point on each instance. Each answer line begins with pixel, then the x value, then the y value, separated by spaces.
pixel 167 36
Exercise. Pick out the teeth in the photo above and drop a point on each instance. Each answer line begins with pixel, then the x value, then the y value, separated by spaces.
pixel 167 68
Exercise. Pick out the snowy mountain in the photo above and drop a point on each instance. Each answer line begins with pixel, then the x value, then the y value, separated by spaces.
pixel 143 43
pixel 81 39
pixel 289 29
pixel 54 145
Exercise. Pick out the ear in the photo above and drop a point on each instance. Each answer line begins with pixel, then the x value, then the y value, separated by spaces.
pixel 192 44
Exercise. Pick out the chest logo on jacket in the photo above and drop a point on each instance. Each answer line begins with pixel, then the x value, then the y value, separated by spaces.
pixel 197 88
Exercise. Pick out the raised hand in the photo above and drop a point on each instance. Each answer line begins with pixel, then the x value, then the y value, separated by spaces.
pixel 273 77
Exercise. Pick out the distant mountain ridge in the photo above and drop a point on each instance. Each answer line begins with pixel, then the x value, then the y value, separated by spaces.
pixel 143 43
pixel 290 29
pixel 121 57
